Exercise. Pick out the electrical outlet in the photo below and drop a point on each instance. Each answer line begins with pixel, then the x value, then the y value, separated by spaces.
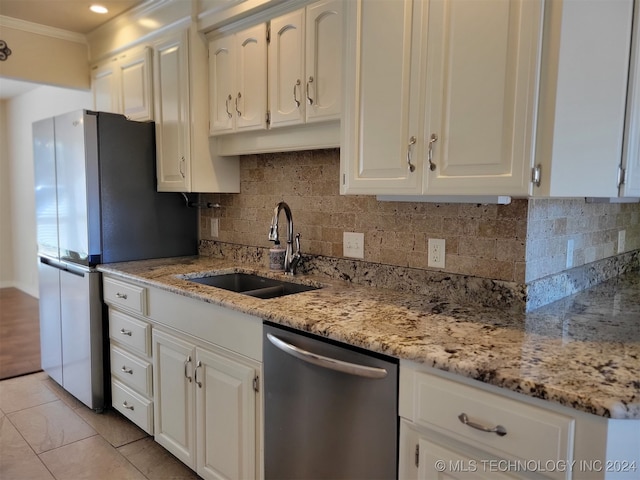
pixel 215 227
pixel 436 252
pixel 621 239
pixel 570 253
pixel 353 245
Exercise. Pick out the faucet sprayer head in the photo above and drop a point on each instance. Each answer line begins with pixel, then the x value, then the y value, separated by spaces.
pixel 273 231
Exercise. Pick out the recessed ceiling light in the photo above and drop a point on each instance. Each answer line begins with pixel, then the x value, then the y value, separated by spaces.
pixel 98 9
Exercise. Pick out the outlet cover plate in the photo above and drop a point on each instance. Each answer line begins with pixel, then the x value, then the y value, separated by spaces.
pixel 621 240
pixel 353 244
pixel 436 252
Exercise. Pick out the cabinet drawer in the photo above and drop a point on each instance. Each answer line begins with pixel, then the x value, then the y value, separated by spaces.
pixel 125 295
pixel 132 405
pixel 131 370
pixel 532 433
pixel 129 331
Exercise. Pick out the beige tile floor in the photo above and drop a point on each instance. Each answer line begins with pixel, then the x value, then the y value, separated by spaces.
pixel 45 433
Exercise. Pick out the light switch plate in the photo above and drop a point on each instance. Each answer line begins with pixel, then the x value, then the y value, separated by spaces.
pixel 215 227
pixel 353 244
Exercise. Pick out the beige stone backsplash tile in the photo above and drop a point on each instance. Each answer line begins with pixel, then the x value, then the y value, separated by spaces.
pixel 534 230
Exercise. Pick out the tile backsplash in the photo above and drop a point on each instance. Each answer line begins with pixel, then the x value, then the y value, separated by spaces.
pixel 520 243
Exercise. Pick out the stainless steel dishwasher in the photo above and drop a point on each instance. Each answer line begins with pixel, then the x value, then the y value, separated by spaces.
pixel 331 411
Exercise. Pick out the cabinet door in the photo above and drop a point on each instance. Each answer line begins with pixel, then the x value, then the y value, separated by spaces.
pixel 135 85
pixel 226 412
pixel 323 82
pixel 173 369
pixel 481 71
pixel 286 69
pixel 222 84
pixel 171 91
pixel 104 86
pixel 380 121
pixel 251 73
pixel 438 462
pixel 631 155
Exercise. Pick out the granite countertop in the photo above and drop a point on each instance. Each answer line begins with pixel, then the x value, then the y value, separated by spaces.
pixel 582 352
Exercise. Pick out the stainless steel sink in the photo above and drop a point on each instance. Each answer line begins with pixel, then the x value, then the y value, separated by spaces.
pixel 253 285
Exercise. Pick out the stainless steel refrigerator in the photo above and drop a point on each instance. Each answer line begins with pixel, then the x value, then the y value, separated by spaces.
pixel 96 202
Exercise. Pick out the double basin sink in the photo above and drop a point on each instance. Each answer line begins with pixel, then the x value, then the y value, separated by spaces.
pixel 252 285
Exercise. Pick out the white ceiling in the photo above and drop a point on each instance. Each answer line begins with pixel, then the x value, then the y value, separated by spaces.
pixel 70 15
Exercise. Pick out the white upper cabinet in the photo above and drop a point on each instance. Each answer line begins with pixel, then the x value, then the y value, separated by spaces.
pixel 631 153
pixel 481 62
pixel 171 82
pixel 323 32
pixel 123 84
pixel 501 97
pixel 238 86
pixel 104 86
pixel 441 100
pixel 185 156
pixel 380 116
pixel 135 85
pixel 583 97
pixel 286 69
pixel 304 64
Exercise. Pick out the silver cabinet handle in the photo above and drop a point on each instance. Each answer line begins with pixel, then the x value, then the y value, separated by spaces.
pixel 238 98
pixel 127 370
pixel 412 141
pixel 125 332
pixel 327 362
pixel 226 106
pixel 295 93
pixel 195 374
pixel 498 429
pixel 433 139
pixel 127 406
pixel 121 295
pixel 186 362
pixel 182 166
pixel 309 99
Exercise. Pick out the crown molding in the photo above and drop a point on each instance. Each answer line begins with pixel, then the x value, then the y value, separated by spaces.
pixel 23 25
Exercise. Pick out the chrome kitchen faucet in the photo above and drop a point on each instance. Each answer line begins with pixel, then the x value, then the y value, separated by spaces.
pixel 291 259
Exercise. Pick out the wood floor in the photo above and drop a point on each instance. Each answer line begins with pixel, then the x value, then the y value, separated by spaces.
pixel 19 333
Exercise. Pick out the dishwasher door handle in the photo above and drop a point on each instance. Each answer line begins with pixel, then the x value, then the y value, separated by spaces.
pixel 327 362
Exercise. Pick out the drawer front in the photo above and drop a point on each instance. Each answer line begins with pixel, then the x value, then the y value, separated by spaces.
pixel 125 295
pixel 131 370
pixel 532 433
pixel 129 331
pixel 133 406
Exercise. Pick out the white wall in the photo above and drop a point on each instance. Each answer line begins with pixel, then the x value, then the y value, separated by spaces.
pixel 21 112
pixel 6 242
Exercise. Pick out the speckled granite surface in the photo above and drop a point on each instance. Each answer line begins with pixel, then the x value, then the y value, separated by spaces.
pixel 582 352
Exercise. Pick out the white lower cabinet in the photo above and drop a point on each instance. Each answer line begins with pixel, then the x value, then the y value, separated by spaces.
pixel 205 407
pixel 188 372
pixel 453 430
